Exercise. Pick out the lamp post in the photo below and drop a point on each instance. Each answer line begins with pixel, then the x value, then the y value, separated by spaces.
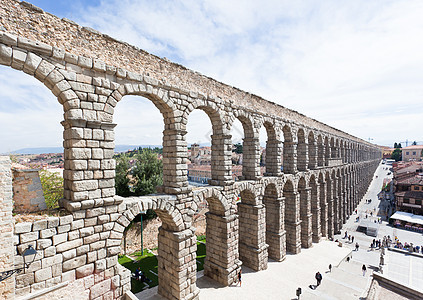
pixel 28 257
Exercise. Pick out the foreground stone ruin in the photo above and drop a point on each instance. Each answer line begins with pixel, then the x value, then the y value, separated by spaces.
pixel 325 171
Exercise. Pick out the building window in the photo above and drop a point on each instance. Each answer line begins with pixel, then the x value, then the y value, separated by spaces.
pixel 414 152
pixel 416 188
pixel 407 153
pixel 406 200
pixel 419 201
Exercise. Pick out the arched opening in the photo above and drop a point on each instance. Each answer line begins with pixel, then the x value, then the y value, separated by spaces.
pixel 305 213
pixel 140 156
pixel 249 157
pixel 332 148
pixel 198 138
pixel 327 151
pixel 252 236
pixel 32 163
pixel 272 150
pixel 292 219
pixel 302 151
pixel 237 156
pixel 262 150
pixel 312 152
pixel 275 227
pixel 315 210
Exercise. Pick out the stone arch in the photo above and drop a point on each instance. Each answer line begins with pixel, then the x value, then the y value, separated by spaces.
pixel 221 173
pixel 305 213
pixel 327 151
pixel 302 151
pixel 251 146
pixel 273 150
pixel 252 236
pixel 312 151
pixel 275 227
pixel 173 233
pixel 332 147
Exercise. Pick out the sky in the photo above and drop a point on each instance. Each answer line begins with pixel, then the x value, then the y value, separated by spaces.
pixel 354 65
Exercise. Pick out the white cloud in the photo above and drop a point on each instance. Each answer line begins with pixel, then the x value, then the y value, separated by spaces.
pixel 355 65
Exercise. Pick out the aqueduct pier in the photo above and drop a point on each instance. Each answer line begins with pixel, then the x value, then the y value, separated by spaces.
pixel 325 171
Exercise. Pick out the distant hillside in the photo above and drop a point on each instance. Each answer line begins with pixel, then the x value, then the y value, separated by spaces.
pixel 41 150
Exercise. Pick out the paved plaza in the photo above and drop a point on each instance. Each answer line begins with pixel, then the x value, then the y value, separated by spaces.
pixel 346 281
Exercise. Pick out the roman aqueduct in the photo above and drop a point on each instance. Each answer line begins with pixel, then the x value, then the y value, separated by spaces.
pixel 325 171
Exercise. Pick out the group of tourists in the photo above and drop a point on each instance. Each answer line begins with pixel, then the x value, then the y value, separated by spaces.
pixel 349 237
pixel 406 246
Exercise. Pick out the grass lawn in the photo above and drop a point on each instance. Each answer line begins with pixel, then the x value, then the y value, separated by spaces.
pixel 148 265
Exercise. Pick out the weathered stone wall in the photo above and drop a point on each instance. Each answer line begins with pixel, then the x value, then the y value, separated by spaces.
pixel 90 73
pixel 28 193
pixel 7 287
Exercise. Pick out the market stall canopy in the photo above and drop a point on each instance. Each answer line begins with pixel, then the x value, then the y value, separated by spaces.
pixel 408 217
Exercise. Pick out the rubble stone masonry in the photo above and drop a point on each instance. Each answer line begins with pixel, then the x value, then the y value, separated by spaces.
pixel 301 199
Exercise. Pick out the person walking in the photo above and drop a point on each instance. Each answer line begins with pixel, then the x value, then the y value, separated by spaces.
pixel 352 239
pixel 239 278
pixel 330 268
pixel 318 278
pixel 356 246
pixel 364 269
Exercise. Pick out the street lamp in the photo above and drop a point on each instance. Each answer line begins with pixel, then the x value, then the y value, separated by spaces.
pixel 28 258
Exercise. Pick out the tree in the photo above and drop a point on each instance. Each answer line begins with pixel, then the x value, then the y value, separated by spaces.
pixel 399 145
pixel 52 185
pixel 122 177
pixel 238 148
pixel 397 154
pixel 414 143
pixel 395 145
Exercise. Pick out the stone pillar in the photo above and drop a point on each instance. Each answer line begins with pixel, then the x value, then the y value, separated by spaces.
pixel 315 210
pixel 321 155
pixel 302 153
pixel 175 152
pixel 292 222
pixel 335 206
pixel 222 262
pixel 89 174
pixel 312 154
pixel 327 155
pixel 273 158
pixel 306 216
pixel 275 228
pixel 221 164
pixel 289 157
pixel 251 158
pixel 7 287
pixel 177 268
pixel 323 209
pixel 252 236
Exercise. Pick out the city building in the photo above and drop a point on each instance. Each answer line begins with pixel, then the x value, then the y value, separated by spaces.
pixel 414 152
pixel 408 180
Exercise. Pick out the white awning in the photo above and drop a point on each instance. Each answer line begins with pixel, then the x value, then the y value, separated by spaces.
pixel 407 217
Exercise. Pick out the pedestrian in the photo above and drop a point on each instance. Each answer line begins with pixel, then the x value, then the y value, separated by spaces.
pixel 330 268
pixel 349 238
pixel 356 246
pixel 348 259
pixel 239 278
pixel 364 270
pixel 318 278
pixel 346 234
pixel 352 239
